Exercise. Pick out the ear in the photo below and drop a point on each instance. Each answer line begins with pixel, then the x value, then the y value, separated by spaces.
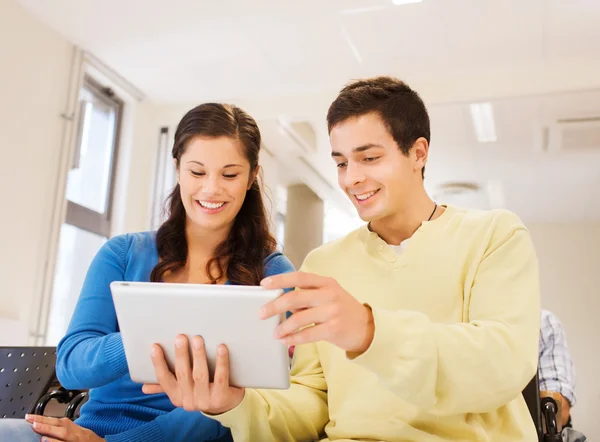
pixel 253 176
pixel 419 153
pixel 176 168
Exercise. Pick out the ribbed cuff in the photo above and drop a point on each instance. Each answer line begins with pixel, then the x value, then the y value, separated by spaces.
pixel 149 432
pixel 115 353
pixel 236 415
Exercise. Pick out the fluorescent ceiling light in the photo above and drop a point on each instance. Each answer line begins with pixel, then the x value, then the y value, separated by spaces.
pixel 405 2
pixel 483 122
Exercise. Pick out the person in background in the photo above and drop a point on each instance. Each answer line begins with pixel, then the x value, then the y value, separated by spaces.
pixel 217 232
pixel 422 325
pixel 556 372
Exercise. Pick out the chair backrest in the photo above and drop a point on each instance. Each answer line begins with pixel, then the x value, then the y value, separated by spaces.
pixel 531 393
pixel 25 374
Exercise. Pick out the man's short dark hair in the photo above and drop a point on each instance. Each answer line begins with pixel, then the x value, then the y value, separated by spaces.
pixel 401 109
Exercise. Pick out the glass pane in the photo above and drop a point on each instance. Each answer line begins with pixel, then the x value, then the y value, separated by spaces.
pixel 88 180
pixel 77 248
pixel 280 229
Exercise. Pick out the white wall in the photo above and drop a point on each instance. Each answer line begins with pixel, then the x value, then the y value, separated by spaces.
pixel 34 78
pixel 569 256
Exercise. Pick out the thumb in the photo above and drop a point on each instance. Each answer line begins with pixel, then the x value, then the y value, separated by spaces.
pixel 152 389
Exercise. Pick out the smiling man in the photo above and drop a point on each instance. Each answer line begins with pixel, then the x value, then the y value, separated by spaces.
pixel 421 326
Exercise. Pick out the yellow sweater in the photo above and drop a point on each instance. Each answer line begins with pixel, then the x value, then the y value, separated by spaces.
pixel 456 340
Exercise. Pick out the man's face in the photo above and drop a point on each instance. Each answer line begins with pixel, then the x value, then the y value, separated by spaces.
pixel 372 170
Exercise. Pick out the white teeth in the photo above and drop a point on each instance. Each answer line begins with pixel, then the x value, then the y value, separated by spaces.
pixel 208 205
pixel 364 196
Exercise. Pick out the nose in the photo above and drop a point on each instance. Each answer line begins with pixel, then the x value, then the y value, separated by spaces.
pixel 353 175
pixel 212 185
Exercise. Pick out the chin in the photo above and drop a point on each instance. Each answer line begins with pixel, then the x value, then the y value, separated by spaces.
pixel 210 223
pixel 368 215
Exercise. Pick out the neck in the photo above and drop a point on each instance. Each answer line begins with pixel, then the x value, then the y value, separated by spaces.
pixel 402 225
pixel 202 243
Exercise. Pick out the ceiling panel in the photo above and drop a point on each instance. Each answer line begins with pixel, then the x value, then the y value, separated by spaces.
pixel 305 50
pixel 423 36
pixel 571 29
pixel 571 105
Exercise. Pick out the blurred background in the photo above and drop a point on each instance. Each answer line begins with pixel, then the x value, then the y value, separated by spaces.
pixel 91 92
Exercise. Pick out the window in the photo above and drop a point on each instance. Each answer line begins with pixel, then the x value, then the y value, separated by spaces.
pixel 165 178
pixel 89 195
pixel 280 230
pixel 280 212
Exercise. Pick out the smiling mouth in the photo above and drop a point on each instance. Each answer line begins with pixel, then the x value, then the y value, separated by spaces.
pixel 209 205
pixel 364 197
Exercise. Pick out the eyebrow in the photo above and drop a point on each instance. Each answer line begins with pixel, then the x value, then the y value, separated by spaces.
pixel 359 149
pixel 224 167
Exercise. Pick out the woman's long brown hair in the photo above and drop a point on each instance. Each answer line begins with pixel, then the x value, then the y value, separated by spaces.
pixel 241 256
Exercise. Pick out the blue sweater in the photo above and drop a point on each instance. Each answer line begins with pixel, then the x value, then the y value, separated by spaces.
pixel 91 355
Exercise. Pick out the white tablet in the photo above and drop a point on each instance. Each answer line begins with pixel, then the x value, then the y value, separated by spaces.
pixel 151 313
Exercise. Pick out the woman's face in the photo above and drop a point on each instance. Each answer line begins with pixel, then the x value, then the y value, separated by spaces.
pixel 214 176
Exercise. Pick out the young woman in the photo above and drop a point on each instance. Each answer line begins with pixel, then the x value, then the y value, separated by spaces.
pixel 217 233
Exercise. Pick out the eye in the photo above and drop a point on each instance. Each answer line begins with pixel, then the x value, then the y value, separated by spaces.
pixel 341 165
pixel 370 159
pixel 230 176
pixel 197 173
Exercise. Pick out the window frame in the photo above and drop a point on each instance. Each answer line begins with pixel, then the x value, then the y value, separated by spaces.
pixel 78 215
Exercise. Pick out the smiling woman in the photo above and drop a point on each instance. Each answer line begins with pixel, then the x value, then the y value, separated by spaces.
pixel 217 232
pixel 216 155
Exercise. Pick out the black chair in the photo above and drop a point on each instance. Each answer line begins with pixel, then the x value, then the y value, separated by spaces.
pixel 28 383
pixel 550 416
pixel 531 394
pixel 543 411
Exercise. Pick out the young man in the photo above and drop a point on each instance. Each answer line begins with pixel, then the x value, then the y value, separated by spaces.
pixel 421 326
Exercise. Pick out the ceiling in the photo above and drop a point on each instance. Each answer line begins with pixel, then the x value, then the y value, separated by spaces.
pixel 533 168
pixel 190 50
pixel 536 61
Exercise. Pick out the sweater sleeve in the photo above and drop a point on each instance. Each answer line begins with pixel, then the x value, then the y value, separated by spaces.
pixel 299 413
pixel 471 367
pixel 91 354
pixel 278 263
pixel 556 366
pixel 176 426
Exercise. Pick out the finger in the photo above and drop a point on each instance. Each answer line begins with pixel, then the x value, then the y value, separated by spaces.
pixel 46 420
pixel 294 302
pixel 310 334
pixel 50 439
pixel 165 378
pixel 200 369
pixel 221 380
pixel 301 280
pixel 152 389
pixel 57 429
pixel 303 318
pixel 31 418
pixel 183 364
